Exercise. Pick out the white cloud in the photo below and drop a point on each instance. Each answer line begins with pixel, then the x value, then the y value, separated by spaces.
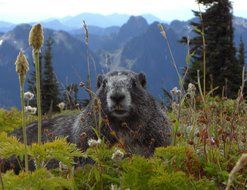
pixel 31 10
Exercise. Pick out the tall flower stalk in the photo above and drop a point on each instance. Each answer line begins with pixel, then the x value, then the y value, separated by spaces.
pixel 22 67
pixel 163 33
pixel 36 39
pixel 204 50
pixel 89 85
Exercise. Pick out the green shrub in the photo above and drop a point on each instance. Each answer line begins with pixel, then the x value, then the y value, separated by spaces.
pixel 177 181
pixel 11 119
pixel 181 158
pixel 137 172
pixel 103 173
pixel 39 179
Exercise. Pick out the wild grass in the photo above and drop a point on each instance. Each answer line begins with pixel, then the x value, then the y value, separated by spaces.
pixel 213 126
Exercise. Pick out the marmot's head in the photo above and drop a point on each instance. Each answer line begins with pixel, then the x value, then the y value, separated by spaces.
pixel 120 92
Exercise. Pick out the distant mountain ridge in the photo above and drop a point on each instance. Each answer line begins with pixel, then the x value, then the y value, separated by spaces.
pixel 102 20
pixel 136 45
pixel 149 53
pixel 95 19
pixel 69 60
pixel 71 23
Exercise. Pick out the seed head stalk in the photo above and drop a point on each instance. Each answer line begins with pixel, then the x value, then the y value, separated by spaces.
pixel 204 51
pixel 36 39
pixel 37 68
pixel 22 67
pixel 89 85
pixel 23 124
pixel 164 35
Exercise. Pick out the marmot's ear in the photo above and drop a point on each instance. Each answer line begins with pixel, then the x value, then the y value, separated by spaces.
pixel 100 79
pixel 142 79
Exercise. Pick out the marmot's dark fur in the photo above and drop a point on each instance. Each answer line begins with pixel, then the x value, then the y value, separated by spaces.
pixel 130 117
pixel 133 117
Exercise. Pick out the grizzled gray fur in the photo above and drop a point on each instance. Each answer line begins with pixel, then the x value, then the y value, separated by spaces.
pixel 130 117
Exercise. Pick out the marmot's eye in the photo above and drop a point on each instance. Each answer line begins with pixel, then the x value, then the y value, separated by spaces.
pixel 133 83
pixel 104 83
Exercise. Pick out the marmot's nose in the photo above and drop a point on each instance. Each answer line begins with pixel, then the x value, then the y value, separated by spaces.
pixel 117 97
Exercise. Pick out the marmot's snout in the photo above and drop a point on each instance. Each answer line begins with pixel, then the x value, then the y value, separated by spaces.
pixel 117 97
pixel 119 102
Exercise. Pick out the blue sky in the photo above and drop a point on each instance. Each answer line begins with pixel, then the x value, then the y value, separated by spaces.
pixel 32 10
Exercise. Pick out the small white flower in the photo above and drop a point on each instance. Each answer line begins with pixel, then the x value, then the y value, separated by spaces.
pixel 212 141
pixel 29 109
pixel 34 110
pixel 93 143
pixel 191 89
pixel 191 86
pixel 61 105
pixel 190 128
pixel 117 155
pixel 175 91
pixel 62 166
pixel 42 164
pixel 28 96
pixel 175 105
pixel 114 187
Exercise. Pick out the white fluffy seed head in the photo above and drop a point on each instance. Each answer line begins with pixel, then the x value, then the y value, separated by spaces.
pixel 191 89
pixel 30 110
pixel 114 187
pixel 28 96
pixel 117 155
pixel 93 142
pixel 62 166
pixel 61 105
pixel 175 91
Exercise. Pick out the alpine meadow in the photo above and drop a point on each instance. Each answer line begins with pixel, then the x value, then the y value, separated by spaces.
pixel 123 101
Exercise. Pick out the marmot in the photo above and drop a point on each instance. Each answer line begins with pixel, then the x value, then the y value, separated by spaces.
pixel 130 116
